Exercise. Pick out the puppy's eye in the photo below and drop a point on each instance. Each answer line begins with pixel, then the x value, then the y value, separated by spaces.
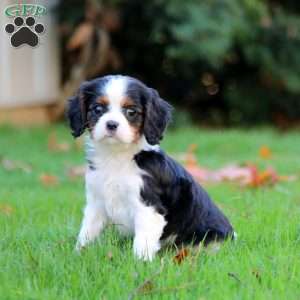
pixel 131 113
pixel 98 109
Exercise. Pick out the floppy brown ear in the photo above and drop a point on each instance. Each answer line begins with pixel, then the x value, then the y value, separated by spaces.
pixel 77 111
pixel 158 114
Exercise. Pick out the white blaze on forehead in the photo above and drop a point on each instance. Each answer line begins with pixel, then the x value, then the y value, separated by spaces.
pixel 115 90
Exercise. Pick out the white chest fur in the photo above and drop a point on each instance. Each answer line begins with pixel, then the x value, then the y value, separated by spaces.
pixel 115 185
pixel 113 190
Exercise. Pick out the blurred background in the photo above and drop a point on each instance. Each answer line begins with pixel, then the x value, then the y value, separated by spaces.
pixel 231 68
pixel 220 62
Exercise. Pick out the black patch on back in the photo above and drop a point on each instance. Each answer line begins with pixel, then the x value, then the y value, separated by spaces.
pixel 188 210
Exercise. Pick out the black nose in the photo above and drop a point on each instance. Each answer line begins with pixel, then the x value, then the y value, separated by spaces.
pixel 112 125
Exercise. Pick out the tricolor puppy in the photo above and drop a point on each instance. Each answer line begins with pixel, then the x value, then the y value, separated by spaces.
pixel 130 181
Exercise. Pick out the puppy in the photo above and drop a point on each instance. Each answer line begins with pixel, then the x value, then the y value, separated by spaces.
pixel 130 181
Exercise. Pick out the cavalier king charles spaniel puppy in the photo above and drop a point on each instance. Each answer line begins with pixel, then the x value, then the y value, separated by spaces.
pixel 130 181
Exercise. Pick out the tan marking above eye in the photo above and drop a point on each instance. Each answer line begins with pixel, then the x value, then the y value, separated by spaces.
pixel 103 100
pixel 127 102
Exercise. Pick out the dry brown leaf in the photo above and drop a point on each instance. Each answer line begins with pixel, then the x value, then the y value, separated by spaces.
pixel 201 174
pixel 110 255
pixel 190 159
pixel 10 165
pixel 146 288
pixel 230 173
pixel 55 146
pixel 248 175
pixel 181 256
pixel 79 144
pixel 49 180
pixel 265 152
pixel 262 178
pixel 285 178
pixel 6 209
pixel 81 36
pixel 76 171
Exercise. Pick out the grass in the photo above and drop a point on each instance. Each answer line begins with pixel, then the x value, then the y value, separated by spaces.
pixel 39 224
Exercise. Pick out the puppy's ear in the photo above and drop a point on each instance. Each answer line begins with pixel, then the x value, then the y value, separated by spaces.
pixel 77 112
pixel 157 116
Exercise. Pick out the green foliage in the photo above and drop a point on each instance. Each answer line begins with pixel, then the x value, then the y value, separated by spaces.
pixel 260 39
pixel 197 36
pixel 70 11
pixel 249 47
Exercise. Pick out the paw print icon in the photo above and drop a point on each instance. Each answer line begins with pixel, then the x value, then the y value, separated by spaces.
pixel 24 32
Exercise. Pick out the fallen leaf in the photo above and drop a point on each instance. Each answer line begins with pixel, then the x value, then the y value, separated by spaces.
pixel 248 175
pixel 230 173
pixel 146 287
pixel 76 171
pixel 49 180
pixel 265 152
pixel 285 178
pixel 6 209
pixel 181 256
pixel 201 174
pixel 147 284
pixel 110 255
pixel 233 173
pixel 262 178
pixel 11 165
pixel 191 159
pixel 79 143
pixel 55 146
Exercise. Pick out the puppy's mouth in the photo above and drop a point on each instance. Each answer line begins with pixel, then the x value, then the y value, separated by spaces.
pixel 111 137
pixel 111 134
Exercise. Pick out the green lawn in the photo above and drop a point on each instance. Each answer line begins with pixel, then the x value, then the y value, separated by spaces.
pixel 39 224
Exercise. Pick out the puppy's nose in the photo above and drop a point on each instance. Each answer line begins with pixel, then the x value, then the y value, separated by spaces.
pixel 112 125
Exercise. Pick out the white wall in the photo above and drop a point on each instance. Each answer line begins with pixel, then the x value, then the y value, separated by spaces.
pixel 29 76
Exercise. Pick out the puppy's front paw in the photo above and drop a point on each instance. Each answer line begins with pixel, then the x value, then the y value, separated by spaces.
pixel 145 250
pixel 82 242
pixel 79 247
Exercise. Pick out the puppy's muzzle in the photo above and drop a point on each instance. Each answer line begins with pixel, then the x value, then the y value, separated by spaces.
pixel 112 126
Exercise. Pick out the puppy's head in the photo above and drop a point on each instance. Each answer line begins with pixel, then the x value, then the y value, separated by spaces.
pixel 118 109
